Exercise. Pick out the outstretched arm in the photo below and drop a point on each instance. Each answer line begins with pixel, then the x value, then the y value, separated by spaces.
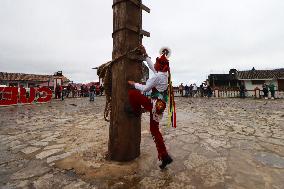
pixel 152 82
pixel 150 64
pixel 147 59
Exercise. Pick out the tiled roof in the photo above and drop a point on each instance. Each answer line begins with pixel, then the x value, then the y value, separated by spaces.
pixel 261 74
pixel 223 77
pixel 4 76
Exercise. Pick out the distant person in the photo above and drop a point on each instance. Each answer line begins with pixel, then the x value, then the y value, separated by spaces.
pixel 271 87
pixel 194 90
pixel 36 89
pixel 82 91
pixel 204 89
pixel 242 91
pixel 180 88
pixel 92 92
pixel 68 90
pixel 190 90
pixel 57 91
pixel 201 90
pixel 86 91
pixel 265 91
pixel 209 91
pixel 186 89
pixel 74 91
pixel 63 91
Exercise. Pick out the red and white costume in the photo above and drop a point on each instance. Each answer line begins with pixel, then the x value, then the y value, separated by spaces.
pixel 158 82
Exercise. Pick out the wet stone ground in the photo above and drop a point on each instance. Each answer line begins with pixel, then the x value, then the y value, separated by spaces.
pixel 218 143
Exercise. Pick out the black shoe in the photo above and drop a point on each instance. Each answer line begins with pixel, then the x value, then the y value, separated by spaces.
pixel 166 161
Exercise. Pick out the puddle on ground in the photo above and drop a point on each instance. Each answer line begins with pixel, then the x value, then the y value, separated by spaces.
pixel 270 159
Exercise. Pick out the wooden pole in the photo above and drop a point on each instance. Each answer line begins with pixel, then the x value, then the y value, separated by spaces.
pixel 125 130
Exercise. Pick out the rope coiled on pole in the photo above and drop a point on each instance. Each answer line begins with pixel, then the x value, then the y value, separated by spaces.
pixel 105 72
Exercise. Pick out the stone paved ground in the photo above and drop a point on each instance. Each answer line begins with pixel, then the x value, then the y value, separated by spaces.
pixel 218 143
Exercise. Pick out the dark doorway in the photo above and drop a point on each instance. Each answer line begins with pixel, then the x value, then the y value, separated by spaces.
pixel 281 84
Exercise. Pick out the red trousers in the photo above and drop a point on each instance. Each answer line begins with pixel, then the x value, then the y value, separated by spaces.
pixel 136 100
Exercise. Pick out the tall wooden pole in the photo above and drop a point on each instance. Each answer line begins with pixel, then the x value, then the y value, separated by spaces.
pixel 125 130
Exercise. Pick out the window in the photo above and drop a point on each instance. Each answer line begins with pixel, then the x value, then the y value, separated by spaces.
pixel 13 84
pixel 257 82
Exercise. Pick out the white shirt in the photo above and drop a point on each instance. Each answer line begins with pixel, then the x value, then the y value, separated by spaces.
pixel 159 80
pixel 194 87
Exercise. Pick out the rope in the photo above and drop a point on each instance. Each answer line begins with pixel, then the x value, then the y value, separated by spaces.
pixel 105 72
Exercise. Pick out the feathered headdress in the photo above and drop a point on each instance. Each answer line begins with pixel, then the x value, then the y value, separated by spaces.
pixel 166 51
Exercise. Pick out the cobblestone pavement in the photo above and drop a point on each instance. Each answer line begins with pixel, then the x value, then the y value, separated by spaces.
pixel 218 143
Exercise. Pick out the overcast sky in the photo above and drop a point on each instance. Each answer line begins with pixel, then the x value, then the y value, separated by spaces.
pixel 206 36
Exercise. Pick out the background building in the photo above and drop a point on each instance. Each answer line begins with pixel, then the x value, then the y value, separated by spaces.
pixel 251 79
pixel 224 81
pixel 29 80
pixel 256 78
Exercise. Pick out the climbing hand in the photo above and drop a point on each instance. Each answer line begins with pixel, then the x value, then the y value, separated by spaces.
pixel 143 50
pixel 131 83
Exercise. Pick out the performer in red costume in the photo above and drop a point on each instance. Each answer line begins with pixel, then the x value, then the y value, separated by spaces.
pixel 158 84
